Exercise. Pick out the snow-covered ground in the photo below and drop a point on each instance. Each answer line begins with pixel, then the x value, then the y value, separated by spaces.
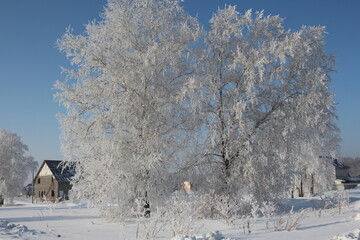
pixel 75 221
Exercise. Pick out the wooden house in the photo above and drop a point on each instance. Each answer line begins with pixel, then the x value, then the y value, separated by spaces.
pixel 52 181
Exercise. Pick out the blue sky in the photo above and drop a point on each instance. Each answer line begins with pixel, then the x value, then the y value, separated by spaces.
pixel 29 60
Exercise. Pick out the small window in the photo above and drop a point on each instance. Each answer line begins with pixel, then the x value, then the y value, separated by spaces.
pixel 39 194
pixel 38 180
pixel 52 193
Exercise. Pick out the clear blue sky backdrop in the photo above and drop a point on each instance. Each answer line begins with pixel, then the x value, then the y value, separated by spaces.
pixel 29 60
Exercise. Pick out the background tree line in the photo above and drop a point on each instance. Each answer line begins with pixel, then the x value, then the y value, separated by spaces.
pixel 354 164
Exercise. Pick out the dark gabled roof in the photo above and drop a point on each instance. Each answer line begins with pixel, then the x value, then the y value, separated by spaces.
pixel 339 164
pixel 60 173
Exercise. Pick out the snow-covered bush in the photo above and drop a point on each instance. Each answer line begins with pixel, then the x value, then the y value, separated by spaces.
pixel 209 236
pixel 249 219
pixel 289 221
pixel 176 214
pixel 337 199
pixel 204 204
pixel 179 215
pixel 227 208
pixel 268 210
pixel 148 226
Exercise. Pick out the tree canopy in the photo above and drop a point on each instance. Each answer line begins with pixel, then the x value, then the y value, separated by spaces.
pixel 15 164
pixel 242 109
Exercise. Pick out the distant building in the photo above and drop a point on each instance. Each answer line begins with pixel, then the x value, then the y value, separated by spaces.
pixel 187 187
pixel 27 190
pixel 342 174
pixel 52 181
pixel 341 170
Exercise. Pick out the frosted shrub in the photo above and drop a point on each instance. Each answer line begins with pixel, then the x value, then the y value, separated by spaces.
pixel 294 219
pixel 342 200
pixel 249 219
pixel 289 221
pixel 268 210
pixel 208 205
pixel 279 223
pixel 113 212
pixel 209 236
pixel 328 199
pixel 227 208
pixel 148 227
pixel 179 215
pixel 153 225
pixel 335 200
pixel 204 204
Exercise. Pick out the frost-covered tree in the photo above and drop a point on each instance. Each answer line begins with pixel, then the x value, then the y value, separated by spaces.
pixel 264 99
pixel 123 119
pixel 354 164
pixel 250 99
pixel 15 164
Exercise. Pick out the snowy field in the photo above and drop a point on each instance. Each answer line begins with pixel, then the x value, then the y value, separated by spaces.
pixel 76 221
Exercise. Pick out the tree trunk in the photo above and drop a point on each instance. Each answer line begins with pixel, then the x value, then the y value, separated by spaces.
pixel 301 191
pixel 312 185
pixel 147 206
pixel 224 155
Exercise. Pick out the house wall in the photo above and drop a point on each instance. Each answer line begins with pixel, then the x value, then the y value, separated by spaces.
pixel 46 189
pixel 45 171
pixel 341 173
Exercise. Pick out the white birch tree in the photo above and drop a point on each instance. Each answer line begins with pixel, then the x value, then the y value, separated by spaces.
pixel 121 129
pixel 265 103
pixel 15 165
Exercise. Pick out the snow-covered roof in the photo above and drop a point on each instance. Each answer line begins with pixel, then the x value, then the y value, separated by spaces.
pixel 339 164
